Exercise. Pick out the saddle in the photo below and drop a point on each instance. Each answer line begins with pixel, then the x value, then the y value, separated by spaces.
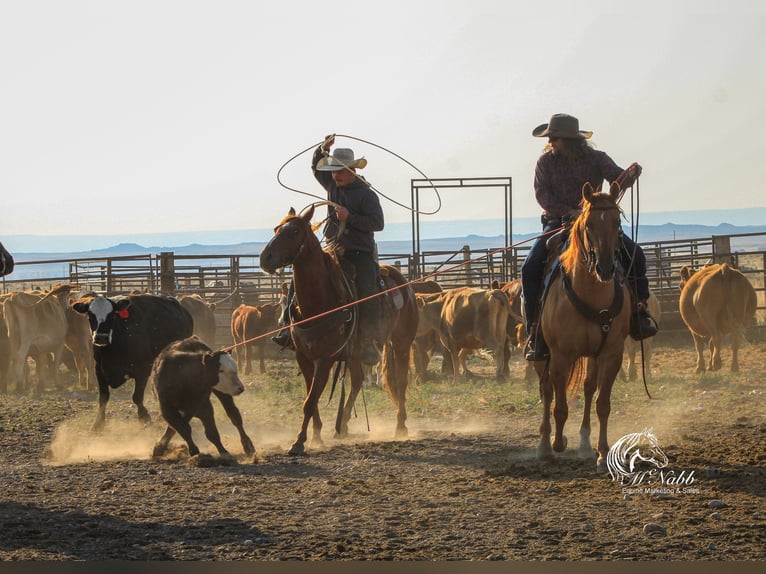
pixel 394 299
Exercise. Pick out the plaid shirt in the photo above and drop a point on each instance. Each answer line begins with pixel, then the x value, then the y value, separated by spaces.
pixel 559 182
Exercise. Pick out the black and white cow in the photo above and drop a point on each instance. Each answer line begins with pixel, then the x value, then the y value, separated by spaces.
pixel 184 374
pixel 128 334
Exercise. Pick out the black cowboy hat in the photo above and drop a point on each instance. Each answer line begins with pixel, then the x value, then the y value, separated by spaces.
pixel 561 126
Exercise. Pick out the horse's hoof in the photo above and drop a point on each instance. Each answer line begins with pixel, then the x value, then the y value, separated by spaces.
pixel 297 450
pixel 248 446
pixel 601 466
pixel 544 454
pixel 401 433
pixel 560 446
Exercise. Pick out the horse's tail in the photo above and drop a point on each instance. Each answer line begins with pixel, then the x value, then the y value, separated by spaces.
pixel 576 378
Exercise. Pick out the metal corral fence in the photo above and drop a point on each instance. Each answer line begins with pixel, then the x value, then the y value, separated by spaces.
pixel 229 280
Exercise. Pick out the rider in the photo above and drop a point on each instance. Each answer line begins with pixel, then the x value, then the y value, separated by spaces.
pixel 569 161
pixel 353 219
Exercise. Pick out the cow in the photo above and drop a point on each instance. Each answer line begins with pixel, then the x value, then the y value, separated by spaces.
pixel 248 323
pixel 512 290
pixel 184 375
pixel 128 334
pixel 37 325
pixel 77 342
pixel 715 301
pixel 632 346
pixel 428 336
pixel 472 318
pixel 203 316
pixel 5 349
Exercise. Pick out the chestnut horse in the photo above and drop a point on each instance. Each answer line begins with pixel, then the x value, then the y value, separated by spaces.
pixel 320 288
pixel 585 319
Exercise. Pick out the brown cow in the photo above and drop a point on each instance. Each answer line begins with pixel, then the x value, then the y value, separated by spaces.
pixel 715 301
pixel 512 290
pixel 203 315
pixel 428 336
pixel 473 318
pixel 249 322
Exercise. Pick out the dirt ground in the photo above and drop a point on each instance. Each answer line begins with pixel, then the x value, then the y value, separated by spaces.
pixel 465 485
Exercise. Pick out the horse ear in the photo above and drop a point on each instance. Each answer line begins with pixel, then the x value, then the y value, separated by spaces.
pixel 309 214
pixel 291 212
pixel 587 192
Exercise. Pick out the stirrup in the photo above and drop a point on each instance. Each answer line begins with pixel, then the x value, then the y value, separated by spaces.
pixel 642 325
pixel 536 349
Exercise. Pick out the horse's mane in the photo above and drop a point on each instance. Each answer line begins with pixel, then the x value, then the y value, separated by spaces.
pixel 576 247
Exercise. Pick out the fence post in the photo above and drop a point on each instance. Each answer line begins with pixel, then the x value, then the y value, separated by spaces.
pixel 467 258
pixel 721 248
pixel 167 273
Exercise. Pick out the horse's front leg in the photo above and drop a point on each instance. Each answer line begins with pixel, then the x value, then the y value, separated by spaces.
pixel 560 373
pixel 585 450
pixel 606 377
pixel 544 451
pixel 312 376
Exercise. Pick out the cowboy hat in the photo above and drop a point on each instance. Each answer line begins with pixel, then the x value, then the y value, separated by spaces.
pixel 561 126
pixel 340 158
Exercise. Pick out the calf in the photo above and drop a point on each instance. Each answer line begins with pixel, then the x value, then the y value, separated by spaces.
pixel 128 334
pixel 184 374
pixel 248 323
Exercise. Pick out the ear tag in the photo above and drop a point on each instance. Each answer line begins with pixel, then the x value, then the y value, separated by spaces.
pixel 123 313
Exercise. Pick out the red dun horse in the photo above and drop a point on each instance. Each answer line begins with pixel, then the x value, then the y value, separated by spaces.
pixel 320 288
pixel 585 319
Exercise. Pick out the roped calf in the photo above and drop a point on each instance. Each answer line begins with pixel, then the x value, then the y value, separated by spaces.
pixel 184 375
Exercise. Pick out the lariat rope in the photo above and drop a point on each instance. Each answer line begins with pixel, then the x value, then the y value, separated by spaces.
pixel 402 286
pixel 372 187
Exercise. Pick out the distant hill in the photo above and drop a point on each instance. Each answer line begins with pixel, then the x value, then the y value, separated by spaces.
pixel 647 234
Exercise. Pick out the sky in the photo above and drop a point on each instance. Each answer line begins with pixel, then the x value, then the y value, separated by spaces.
pixel 177 115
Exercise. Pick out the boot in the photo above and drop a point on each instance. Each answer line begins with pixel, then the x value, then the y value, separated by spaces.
pixel 642 324
pixel 283 339
pixel 536 349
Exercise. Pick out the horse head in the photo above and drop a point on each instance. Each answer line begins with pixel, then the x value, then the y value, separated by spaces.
pixel 596 232
pixel 289 240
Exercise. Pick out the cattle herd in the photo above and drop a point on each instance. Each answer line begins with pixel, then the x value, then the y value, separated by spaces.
pixel 171 342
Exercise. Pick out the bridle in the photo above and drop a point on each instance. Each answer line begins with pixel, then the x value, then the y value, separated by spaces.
pixel 589 254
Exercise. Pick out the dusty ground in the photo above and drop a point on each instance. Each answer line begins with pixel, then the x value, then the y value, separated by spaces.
pixel 464 486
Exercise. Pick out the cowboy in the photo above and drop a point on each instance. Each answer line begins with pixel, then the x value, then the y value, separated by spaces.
pixel 568 162
pixel 353 219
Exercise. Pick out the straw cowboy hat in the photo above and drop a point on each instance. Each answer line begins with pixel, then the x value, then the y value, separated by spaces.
pixel 561 126
pixel 340 158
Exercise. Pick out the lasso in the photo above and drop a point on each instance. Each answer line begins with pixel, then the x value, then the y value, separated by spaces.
pixel 631 450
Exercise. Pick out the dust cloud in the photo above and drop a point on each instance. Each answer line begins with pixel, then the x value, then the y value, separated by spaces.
pixel 73 442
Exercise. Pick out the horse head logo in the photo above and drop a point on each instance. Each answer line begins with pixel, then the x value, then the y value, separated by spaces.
pixel 634 453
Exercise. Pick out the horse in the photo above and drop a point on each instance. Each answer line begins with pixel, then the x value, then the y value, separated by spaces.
pixel 585 319
pixel 321 292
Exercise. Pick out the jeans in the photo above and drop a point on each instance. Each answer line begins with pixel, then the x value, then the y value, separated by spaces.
pixel 370 312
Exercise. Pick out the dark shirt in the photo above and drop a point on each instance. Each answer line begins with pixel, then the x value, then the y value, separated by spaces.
pixel 559 180
pixel 365 215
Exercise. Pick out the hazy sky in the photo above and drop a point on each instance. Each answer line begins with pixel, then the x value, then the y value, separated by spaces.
pixel 176 115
